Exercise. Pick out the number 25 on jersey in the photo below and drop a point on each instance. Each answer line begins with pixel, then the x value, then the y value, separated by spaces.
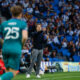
pixel 11 31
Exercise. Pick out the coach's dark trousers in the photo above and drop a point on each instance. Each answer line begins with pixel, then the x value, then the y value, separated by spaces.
pixel 36 58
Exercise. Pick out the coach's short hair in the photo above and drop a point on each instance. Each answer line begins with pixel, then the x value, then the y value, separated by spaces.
pixel 38 24
pixel 16 10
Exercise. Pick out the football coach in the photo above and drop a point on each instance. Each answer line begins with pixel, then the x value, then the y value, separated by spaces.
pixel 38 40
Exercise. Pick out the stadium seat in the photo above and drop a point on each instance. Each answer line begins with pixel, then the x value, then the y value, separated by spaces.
pixel 59 50
pixel 65 0
pixel 55 8
pixel 57 11
pixel 75 38
pixel 44 58
pixel 56 2
pixel 61 60
pixel 45 14
pixel 34 17
pixel 51 14
pixel 52 46
pixel 65 52
pixel 61 38
pixel 69 38
pixel 76 58
pixel 55 59
pixel 50 59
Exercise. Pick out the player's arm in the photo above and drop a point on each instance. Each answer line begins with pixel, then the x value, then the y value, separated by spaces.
pixel 1 41
pixel 24 36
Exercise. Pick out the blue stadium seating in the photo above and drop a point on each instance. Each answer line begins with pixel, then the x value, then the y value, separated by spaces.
pixel 75 38
pixel 65 52
pixel 56 2
pixel 52 46
pixel 51 14
pixel 76 58
pixel 59 50
pixel 57 11
pixel 61 38
pixel 55 8
pixel 69 38
pixel 45 14
pixel 56 59
pixel 50 59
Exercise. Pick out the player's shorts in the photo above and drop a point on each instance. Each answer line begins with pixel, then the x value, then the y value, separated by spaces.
pixel 12 60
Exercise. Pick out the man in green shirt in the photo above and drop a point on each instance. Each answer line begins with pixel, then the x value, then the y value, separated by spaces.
pixel 14 32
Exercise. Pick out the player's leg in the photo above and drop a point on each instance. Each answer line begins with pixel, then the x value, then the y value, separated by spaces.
pixel 10 73
pixel 7 76
pixel 39 58
pixel 12 70
pixel 12 64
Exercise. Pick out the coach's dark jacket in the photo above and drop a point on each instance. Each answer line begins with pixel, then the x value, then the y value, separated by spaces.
pixel 39 40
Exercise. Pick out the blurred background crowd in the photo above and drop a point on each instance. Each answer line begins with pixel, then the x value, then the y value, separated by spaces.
pixel 60 20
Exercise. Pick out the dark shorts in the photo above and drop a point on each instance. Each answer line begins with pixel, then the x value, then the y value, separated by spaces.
pixel 12 61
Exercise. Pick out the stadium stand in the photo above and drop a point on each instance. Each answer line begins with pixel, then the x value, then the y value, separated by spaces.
pixel 60 20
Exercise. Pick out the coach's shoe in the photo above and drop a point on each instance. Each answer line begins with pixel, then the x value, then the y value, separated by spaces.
pixel 28 76
pixel 38 76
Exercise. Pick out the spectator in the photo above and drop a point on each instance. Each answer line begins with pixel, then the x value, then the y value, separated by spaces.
pixel 65 17
pixel 30 9
pixel 37 12
pixel 44 23
pixel 46 52
pixel 53 54
pixel 70 31
pixel 26 4
pixel 64 43
pixel 61 3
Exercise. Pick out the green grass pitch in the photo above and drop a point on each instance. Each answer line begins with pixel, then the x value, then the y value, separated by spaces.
pixel 51 76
